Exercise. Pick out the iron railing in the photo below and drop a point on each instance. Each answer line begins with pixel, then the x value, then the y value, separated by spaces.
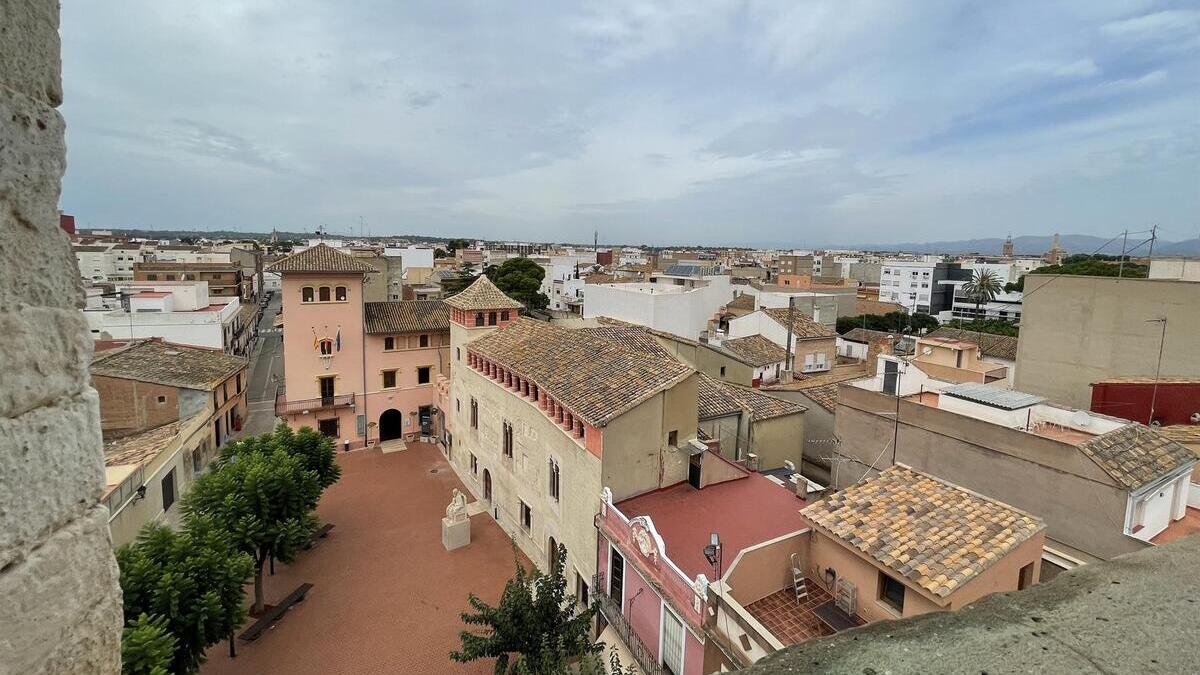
pixel 612 614
pixel 286 407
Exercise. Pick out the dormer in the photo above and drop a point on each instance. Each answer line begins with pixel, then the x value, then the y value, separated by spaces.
pixel 482 305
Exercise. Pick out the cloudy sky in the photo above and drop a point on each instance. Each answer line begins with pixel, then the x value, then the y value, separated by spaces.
pixel 786 122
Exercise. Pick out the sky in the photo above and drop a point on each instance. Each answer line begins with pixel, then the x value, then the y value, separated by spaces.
pixel 743 123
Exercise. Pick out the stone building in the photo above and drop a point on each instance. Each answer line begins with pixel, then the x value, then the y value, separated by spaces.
pixel 62 608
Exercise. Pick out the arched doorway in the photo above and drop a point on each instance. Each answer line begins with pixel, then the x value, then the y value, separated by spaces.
pixel 487 485
pixel 391 425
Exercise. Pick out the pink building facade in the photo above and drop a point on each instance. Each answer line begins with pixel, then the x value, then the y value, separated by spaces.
pixel 358 372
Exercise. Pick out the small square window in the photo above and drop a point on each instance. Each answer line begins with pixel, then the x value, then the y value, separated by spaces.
pixel 423 375
pixel 389 343
pixel 891 592
pixel 162 400
pixel 424 341
pixel 389 379
pixel 504 315
pixel 673 438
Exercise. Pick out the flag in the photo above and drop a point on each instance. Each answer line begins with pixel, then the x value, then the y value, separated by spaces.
pixel 316 342
pixel 339 339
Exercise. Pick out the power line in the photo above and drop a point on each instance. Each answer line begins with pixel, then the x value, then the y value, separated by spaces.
pixel 1055 277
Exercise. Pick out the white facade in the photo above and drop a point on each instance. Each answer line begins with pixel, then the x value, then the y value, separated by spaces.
pixel 820 307
pixel 758 323
pixel 114 263
pixel 566 295
pixel 176 317
pixel 182 256
pixel 675 309
pixel 1185 269
pixel 411 256
pixel 272 281
pixel 908 283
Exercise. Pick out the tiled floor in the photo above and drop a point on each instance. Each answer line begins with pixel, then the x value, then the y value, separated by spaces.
pixel 791 623
pixel 386 595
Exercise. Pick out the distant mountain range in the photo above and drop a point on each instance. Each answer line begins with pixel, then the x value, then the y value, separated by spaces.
pixel 1073 243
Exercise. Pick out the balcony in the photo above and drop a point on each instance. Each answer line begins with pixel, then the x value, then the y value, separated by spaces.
pixel 611 611
pixel 286 407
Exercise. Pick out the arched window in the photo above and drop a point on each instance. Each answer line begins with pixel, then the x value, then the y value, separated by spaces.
pixel 326 346
pixel 323 294
pixel 306 294
pixel 340 294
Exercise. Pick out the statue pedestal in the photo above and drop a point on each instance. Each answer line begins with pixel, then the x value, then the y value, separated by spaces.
pixel 455 534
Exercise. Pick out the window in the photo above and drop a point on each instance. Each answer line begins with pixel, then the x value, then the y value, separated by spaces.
pixel 239 383
pixel 306 294
pixel 340 293
pixel 323 294
pixel 168 489
pixel 491 318
pixel 423 341
pixel 326 346
pixel 554 480
pixel 458 405
pixel 891 592
pixel 162 400
pixel 722 371
pixel 526 517
pixel 474 465
pixel 1025 577
pixel 820 360
pixel 673 438
pixel 389 379
pixel 672 642
pixel 389 343
pixel 458 354
pixel 170 277
pixel 151 277
pixel 474 413
pixel 507 440
pixel 478 318
pixel 504 315
pixel 423 375
pixel 581 590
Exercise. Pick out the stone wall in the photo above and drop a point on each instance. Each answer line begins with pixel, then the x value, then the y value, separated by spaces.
pixel 61 611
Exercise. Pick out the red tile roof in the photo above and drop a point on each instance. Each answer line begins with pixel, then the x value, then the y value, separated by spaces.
pixel 744 512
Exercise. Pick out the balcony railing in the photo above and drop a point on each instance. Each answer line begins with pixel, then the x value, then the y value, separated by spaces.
pixel 612 614
pixel 286 407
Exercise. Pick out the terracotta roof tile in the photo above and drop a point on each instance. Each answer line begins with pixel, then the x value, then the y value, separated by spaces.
pixel 802 326
pixel 592 376
pixel 140 447
pixel 995 346
pixel 406 316
pixel 756 350
pixel 717 398
pixel 482 294
pixel 632 337
pixel 1182 433
pixel 713 400
pixel 320 258
pixel 168 364
pixel 1136 455
pixel 930 532
pixel 744 301
pixel 825 395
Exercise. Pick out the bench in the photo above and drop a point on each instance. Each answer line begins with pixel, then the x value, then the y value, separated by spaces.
pixel 321 533
pixel 272 615
pixel 831 615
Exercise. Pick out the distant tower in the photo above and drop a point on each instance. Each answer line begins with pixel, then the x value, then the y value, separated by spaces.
pixel 595 240
pixel 1008 247
pixel 274 236
pixel 1056 254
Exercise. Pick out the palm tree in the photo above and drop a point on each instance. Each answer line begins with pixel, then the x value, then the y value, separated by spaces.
pixel 982 289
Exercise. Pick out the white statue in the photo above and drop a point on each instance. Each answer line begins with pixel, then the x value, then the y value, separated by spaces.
pixel 456 512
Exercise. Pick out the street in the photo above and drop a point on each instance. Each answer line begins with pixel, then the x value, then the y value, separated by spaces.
pixel 266 372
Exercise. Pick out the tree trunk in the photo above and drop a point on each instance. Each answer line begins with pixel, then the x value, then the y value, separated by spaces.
pixel 258 588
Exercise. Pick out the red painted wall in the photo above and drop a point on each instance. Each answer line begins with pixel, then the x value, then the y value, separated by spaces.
pixel 1174 403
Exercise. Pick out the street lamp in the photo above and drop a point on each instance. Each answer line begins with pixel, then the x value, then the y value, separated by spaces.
pixel 712 552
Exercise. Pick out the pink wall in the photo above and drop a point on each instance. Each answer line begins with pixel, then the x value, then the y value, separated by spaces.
pixel 301 361
pixel 407 396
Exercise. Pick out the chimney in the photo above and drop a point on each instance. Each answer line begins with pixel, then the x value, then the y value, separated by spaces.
pixel 874 349
pixel 801 487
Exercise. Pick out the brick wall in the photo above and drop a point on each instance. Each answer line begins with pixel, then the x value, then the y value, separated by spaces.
pixel 129 406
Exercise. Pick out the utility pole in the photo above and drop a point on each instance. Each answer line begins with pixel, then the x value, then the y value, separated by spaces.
pixel 788 344
pixel 1121 265
pixel 1162 338
pixel 1153 236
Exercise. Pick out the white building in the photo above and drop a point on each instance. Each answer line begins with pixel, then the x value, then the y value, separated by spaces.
pixel 411 256
pixel 813 345
pixel 680 305
pixel 1184 269
pixel 176 312
pixel 108 262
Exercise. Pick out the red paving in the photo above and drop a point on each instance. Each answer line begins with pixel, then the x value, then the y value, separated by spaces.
pixel 789 622
pixel 386 596
pixel 1178 529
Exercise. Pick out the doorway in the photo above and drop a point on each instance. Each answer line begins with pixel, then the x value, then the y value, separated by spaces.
pixel 326 390
pixel 487 485
pixel 391 425
pixel 425 418
pixel 328 427
pixel 694 471
pixel 551 554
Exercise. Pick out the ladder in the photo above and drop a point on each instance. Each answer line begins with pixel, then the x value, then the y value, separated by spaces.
pixel 798 582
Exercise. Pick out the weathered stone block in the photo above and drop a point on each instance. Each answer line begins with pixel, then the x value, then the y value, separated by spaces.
pixel 46 353
pixel 51 471
pixel 59 607
pixel 40 268
pixel 29 49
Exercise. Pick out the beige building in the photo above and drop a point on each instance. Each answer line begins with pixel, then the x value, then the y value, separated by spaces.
pixel 1077 330
pixel 952 360
pixel 1103 486
pixel 541 417
pixel 745 425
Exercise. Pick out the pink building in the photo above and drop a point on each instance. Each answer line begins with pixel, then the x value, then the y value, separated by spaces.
pixel 360 372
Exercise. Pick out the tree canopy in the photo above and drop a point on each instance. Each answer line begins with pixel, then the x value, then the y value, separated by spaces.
pixel 521 280
pixel 535 628
pixel 1091 266
pixel 186 584
pixel 892 322
pixel 983 287
pixel 992 326
pixel 313 448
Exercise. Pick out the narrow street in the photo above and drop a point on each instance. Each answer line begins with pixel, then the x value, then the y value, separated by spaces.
pixel 266 372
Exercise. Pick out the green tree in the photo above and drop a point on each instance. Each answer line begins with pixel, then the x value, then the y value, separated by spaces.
pixel 535 628
pixel 191 581
pixel 983 288
pixel 147 647
pixel 440 253
pixel 892 322
pixel 312 447
pixel 521 280
pixel 455 244
pixel 991 326
pixel 455 285
pixel 266 500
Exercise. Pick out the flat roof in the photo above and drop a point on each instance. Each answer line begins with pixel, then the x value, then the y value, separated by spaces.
pixel 744 512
